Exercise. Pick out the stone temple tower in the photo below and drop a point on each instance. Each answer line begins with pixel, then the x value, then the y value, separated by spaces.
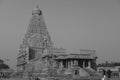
pixel 37 36
pixel 35 41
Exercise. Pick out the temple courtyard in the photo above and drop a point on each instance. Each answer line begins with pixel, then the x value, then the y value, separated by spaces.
pixel 27 79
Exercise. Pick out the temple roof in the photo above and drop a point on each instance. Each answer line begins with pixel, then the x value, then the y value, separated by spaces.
pixel 76 56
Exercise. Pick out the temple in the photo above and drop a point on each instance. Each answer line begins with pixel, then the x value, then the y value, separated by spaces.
pixel 37 54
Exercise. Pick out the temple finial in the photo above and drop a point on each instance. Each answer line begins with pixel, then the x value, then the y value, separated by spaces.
pixel 37 11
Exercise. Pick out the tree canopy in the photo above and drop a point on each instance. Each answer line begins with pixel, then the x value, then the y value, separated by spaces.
pixel 4 66
pixel 109 64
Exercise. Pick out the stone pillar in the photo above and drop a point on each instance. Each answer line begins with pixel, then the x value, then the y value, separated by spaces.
pixel 89 64
pixel 61 65
pixel 75 62
pixel 46 63
pixel 72 63
pixel 69 64
pixel 83 64
pixel 66 65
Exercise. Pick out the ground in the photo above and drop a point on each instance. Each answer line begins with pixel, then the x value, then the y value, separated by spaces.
pixel 115 78
pixel 14 79
pixel 27 79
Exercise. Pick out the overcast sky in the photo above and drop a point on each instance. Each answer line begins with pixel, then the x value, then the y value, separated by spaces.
pixel 72 24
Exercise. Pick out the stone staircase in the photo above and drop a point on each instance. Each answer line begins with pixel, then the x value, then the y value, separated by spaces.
pixel 92 72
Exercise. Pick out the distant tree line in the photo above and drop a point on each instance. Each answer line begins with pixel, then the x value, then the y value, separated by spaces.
pixel 108 64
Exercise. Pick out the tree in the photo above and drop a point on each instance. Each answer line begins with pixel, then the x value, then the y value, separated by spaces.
pixel 109 64
pixel 4 66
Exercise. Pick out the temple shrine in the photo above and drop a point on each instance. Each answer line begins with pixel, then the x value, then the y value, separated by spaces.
pixel 38 57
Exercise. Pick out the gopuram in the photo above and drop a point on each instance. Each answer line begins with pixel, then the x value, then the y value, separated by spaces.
pixel 39 58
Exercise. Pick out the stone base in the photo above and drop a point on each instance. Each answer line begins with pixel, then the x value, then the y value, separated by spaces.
pixel 26 76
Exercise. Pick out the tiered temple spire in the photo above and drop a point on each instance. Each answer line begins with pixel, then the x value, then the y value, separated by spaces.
pixel 37 37
pixel 37 28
